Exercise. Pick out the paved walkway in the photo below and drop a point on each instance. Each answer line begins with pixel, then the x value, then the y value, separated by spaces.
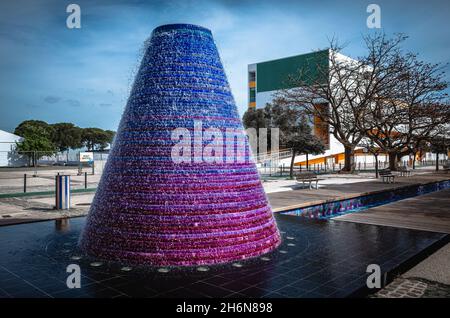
pixel 428 279
pixel 429 212
pixel 12 180
pixel 26 209
pixel 435 268
pixel 283 195
pixel 301 197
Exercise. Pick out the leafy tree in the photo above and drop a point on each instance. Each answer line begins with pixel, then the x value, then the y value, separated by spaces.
pixel 256 119
pixel 66 136
pixel 37 140
pixel 96 138
pixel 90 137
pixel 295 132
pixel 110 134
pixel 42 139
pixel 31 127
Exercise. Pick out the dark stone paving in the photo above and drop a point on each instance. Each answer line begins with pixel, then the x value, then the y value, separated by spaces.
pixel 413 287
pixel 435 289
pixel 317 258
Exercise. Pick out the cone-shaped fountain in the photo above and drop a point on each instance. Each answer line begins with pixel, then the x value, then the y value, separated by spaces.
pixel 160 203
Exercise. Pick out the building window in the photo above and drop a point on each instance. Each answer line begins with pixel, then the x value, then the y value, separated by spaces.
pixel 252 76
pixel 252 94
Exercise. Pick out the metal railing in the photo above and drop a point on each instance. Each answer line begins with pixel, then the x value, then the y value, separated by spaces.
pixel 44 158
pixel 267 156
pixel 325 168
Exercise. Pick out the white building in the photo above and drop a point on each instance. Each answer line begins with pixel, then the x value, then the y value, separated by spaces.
pixel 8 156
pixel 267 78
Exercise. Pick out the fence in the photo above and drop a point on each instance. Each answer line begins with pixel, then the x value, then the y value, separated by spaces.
pixel 44 159
pixel 35 171
pixel 325 168
pixel 44 181
pixel 41 177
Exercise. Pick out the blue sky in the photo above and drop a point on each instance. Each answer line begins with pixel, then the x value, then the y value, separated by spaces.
pixel 83 76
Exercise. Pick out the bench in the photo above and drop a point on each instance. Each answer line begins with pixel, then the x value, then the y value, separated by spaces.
pixel 387 176
pixel 446 168
pixel 404 171
pixel 308 177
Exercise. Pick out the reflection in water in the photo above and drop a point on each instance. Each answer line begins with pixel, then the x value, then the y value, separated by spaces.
pixel 62 225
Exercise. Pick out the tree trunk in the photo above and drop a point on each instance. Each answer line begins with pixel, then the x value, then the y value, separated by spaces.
pixel 437 161
pixel 307 162
pixel 393 161
pixel 291 170
pixel 376 166
pixel 348 163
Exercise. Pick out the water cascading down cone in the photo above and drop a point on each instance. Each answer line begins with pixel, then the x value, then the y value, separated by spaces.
pixel 175 190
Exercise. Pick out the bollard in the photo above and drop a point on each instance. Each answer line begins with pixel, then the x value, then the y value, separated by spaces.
pixel 85 180
pixel 24 182
pixel 62 192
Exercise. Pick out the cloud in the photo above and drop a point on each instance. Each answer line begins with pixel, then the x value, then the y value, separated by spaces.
pixel 52 99
pixel 73 102
pixel 39 52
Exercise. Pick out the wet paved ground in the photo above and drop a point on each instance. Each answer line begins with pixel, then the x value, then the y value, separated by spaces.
pixel 25 209
pixel 429 279
pixel 318 258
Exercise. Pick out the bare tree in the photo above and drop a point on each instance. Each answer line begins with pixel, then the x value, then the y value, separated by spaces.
pixel 440 144
pixel 411 112
pixel 340 91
